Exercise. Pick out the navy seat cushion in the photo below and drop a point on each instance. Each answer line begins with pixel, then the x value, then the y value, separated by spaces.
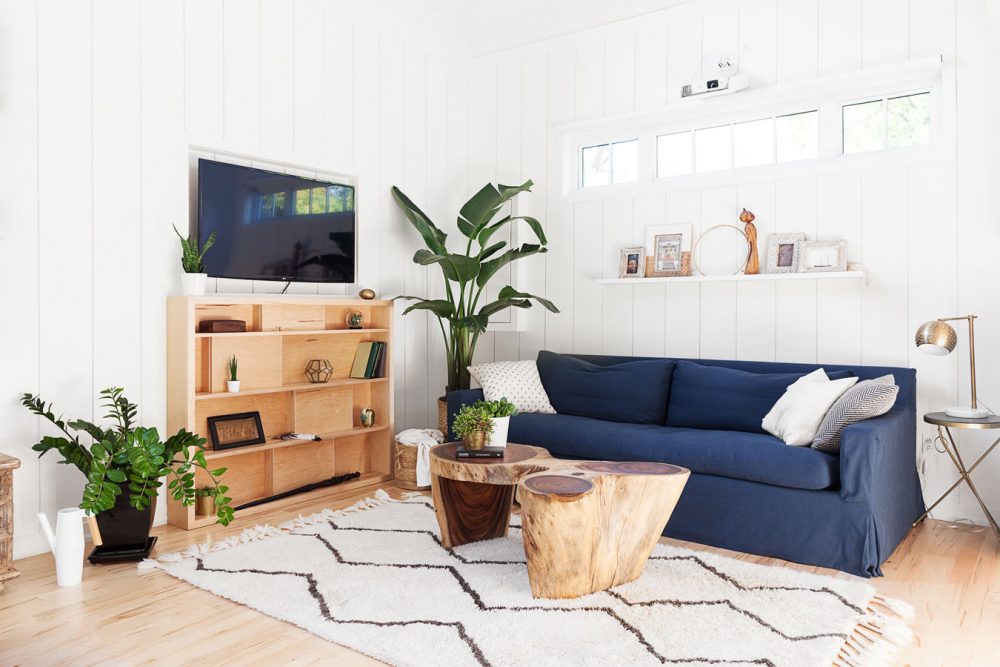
pixel 631 392
pixel 719 398
pixel 749 456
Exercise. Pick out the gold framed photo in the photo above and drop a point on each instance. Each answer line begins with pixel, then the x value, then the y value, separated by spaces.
pixel 632 263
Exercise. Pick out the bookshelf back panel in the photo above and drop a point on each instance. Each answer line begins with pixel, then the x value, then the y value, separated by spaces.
pixel 339 349
pixel 274 409
pixel 336 316
pixel 292 317
pixel 324 410
pixel 258 359
pixel 354 453
pixel 304 464
pixel 248 477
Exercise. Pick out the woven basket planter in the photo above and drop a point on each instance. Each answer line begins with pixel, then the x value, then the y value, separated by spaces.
pixel 406 467
pixel 443 416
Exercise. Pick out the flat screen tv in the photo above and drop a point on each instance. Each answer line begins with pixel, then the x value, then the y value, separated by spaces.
pixel 273 226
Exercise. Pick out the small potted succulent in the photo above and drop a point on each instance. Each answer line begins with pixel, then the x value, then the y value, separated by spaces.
pixel 233 383
pixel 204 501
pixel 500 413
pixel 193 262
pixel 473 425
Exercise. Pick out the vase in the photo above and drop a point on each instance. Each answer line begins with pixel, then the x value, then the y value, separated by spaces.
pixel 233 386
pixel 124 525
pixel 367 417
pixel 193 284
pixel 204 505
pixel 474 440
pixel 498 438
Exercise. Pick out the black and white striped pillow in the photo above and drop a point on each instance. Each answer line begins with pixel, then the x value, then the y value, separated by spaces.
pixel 864 400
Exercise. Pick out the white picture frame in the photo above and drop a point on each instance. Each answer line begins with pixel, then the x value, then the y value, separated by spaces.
pixel 686 231
pixel 783 252
pixel 822 256
pixel 633 262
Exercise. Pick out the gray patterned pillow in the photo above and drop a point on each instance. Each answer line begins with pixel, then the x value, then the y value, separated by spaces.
pixel 864 400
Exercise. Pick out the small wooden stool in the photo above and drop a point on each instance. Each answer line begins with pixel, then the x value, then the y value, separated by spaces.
pixel 7 466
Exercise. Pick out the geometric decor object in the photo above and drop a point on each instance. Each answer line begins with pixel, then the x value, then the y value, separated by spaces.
pixel 319 370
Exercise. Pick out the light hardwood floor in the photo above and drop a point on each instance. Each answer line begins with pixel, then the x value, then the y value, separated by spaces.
pixel 123 616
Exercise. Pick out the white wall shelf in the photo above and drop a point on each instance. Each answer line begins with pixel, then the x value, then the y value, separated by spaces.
pixel 831 275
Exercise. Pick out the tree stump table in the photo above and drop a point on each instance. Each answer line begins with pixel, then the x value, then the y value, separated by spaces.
pixel 587 525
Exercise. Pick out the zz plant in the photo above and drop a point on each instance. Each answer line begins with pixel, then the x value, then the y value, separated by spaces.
pixel 193 257
pixel 128 458
pixel 461 315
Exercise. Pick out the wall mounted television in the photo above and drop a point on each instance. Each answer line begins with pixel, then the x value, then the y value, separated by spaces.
pixel 273 226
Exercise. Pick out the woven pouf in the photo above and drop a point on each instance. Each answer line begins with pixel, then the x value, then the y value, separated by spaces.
pixel 406 467
pixel 443 416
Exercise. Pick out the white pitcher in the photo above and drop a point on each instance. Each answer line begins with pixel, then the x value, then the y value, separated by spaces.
pixel 66 544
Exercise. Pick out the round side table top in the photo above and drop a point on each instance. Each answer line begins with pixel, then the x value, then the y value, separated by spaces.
pixel 944 419
pixel 517 461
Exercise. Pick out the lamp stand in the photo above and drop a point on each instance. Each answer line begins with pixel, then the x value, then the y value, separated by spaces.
pixel 973 411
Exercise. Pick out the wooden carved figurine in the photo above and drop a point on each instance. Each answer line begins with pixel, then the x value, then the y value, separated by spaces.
pixel 753 261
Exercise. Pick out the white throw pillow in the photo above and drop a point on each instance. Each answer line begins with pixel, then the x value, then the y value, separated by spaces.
pixel 796 417
pixel 517 381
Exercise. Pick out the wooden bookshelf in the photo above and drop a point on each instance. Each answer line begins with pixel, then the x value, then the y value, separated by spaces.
pixel 283 334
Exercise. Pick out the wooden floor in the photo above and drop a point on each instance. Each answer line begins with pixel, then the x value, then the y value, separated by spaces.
pixel 123 616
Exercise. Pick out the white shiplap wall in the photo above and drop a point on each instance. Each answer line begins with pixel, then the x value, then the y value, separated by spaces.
pixel 100 101
pixel 916 224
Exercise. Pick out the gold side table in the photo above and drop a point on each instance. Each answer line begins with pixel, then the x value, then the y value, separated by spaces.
pixel 945 423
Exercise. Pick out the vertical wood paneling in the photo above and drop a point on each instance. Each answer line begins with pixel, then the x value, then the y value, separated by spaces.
pixel 838 306
pixel 718 320
pixel 682 337
pixel 309 126
pixel 683 52
pixel 758 55
pixel 277 77
pixel 588 260
pixel 241 73
pixel 203 70
pixel 797 47
pixel 720 35
pixel 931 28
pixel 755 320
pixel 839 36
pixel 885 31
pixel 339 91
pixel 795 321
pixel 434 373
pixel 617 319
pixel 590 77
pixel 649 320
pixel 795 206
pixel 620 73
pixel 651 65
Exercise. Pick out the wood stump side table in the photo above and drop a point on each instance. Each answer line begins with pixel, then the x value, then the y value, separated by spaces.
pixel 587 525
pixel 7 466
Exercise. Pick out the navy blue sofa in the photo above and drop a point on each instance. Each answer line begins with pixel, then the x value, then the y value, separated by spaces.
pixel 748 491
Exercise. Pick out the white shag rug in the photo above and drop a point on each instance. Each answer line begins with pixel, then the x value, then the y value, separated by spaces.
pixel 374 577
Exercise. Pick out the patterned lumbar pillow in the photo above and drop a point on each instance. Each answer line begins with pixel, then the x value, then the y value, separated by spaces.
pixel 517 381
pixel 864 400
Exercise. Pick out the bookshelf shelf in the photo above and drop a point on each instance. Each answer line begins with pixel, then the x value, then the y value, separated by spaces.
pixel 283 335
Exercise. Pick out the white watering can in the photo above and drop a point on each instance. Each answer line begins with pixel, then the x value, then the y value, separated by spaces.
pixel 66 544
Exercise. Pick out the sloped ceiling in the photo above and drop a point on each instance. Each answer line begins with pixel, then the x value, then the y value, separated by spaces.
pixel 494 25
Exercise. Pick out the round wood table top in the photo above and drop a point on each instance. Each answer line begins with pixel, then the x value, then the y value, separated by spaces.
pixel 517 461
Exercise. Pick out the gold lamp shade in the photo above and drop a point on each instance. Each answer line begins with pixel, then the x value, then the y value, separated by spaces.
pixel 936 337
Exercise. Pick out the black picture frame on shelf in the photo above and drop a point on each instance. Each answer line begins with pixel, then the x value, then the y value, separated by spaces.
pixel 241 429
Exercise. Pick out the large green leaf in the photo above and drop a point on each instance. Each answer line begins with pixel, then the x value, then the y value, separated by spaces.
pixel 502 304
pixel 460 268
pixel 485 204
pixel 476 323
pixel 440 307
pixel 433 237
pixel 486 232
pixel 509 292
pixel 490 267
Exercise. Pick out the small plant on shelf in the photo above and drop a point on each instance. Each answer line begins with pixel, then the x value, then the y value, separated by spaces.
pixel 193 263
pixel 473 425
pixel 497 409
pixel 204 500
pixel 233 383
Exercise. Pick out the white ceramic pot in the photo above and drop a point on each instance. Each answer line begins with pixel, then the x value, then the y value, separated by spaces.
pixel 193 284
pixel 498 438
pixel 233 386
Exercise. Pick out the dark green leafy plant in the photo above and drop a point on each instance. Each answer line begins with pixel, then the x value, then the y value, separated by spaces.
pixel 497 409
pixel 192 257
pixel 204 492
pixel 460 316
pixel 124 457
pixel 471 419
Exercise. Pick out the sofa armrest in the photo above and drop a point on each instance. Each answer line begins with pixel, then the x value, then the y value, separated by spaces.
pixel 456 399
pixel 878 458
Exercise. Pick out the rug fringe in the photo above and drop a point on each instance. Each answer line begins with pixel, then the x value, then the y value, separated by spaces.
pixel 260 532
pixel 880 634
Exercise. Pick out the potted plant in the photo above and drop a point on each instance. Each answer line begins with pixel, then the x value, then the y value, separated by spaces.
pixel 473 425
pixel 461 316
pixel 500 413
pixel 233 383
pixel 204 501
pixel 192 261
pixel 124 467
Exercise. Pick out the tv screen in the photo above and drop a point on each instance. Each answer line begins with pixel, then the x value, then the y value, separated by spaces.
pixel 272 226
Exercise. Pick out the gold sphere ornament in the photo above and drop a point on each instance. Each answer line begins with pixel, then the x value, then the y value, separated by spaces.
pixel 367 294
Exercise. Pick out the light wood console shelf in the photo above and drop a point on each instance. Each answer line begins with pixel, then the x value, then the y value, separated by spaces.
pixel 283 334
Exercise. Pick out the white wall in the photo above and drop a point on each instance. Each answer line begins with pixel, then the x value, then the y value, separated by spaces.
pixel 99 101
pixel 924 226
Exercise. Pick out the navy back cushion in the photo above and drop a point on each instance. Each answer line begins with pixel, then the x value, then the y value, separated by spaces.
pixel 725 399
pixel 634 391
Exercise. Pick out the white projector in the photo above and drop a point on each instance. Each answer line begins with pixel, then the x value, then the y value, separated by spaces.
pixel 719 85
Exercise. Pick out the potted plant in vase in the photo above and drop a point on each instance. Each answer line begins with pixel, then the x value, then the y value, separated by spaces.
pixel 500 413
pixel 204 501
pixel 233 383
pixel 461 315
pixel 124 467
pixel 474 426
pixel 193 262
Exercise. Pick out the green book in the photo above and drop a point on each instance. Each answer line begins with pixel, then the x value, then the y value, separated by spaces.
pixel 361 360
pixel 372 359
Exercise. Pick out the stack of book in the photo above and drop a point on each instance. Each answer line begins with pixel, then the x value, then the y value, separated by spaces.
pixel 369 361
pixel 484 453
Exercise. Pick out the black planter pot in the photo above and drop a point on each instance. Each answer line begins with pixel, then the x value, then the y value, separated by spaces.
pixel 125 526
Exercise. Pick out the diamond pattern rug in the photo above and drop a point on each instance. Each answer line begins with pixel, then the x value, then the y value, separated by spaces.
pixel 374 577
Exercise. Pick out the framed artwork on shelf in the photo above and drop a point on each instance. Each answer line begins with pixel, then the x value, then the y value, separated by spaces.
pixel 822 256
pixel 783 252
pixel 632 263
pixel 237 430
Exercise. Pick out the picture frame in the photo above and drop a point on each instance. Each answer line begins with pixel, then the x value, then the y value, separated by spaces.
pixel 783 252
pixel 685 230
pixel 241 429
pixel 633 262
pixel 822 256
